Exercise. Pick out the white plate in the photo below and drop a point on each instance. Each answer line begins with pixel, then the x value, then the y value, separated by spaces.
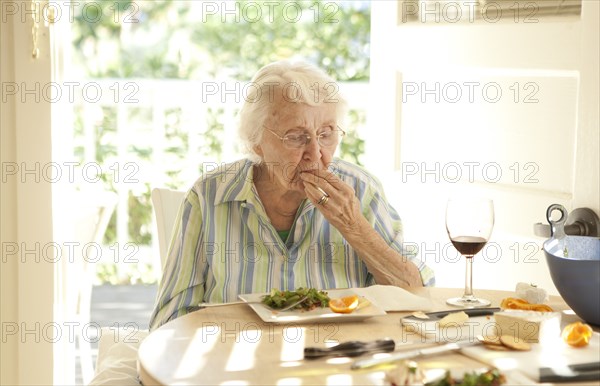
pixel 319 315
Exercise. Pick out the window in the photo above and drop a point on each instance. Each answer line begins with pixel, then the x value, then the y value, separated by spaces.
pixel 165 80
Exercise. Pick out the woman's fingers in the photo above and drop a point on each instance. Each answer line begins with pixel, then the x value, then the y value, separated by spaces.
pixel 334 198
pixel 317 195
pixel 326 175
pixel 320 194
pixel 326 181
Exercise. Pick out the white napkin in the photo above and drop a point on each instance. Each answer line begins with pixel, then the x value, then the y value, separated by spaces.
pixel 392 298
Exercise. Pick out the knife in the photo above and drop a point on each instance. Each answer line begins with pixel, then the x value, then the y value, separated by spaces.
pixel 351 348
pixel 448 347
pixel 472 312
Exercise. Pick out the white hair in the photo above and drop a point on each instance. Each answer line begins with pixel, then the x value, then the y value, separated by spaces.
pixel 298 82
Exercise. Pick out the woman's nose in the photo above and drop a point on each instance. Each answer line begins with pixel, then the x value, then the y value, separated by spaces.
pixel 312 150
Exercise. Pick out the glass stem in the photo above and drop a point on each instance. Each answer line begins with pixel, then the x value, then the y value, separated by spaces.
pixel 469 279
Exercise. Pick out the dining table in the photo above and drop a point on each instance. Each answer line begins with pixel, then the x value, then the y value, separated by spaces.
pixel 234 345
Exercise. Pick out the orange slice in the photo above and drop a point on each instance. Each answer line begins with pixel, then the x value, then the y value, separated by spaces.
pixel 577 334
pixel 344 305
pixel 521 304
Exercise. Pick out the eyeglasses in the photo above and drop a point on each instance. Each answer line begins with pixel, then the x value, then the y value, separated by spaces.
pixel 297 141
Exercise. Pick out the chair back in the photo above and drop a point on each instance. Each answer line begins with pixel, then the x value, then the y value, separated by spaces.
pixel 93 215
pixel 90 211
pixel 166 204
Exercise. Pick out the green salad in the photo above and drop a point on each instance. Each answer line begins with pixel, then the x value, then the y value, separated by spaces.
pixel 409 373
pixel 278 299
pixel 489 378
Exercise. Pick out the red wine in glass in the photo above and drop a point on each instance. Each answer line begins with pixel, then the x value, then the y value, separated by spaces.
pixel 468 246
pixel 469 223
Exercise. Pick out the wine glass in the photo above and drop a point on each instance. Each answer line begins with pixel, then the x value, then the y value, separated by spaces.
pixel 469 223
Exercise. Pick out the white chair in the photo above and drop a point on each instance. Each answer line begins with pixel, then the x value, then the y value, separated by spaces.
pixel 117 357
pixel 91 213
pixel 166 204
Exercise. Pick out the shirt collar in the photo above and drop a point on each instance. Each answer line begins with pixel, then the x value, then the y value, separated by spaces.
pixel 236 182
pixel 238 185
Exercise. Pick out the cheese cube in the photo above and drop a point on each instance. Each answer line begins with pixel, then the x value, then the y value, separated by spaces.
pixel 528 326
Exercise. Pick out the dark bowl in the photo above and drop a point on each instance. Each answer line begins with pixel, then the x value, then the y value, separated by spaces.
pixel 576 273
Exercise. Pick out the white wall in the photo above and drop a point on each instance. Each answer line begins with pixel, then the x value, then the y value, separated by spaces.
pixel 27 285
pixel 558 135
pixel 586 192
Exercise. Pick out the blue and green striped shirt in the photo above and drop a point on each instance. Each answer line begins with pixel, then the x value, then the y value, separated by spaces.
pixel 224 244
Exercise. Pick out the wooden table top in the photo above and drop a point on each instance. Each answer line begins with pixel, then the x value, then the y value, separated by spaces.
pixel 232 345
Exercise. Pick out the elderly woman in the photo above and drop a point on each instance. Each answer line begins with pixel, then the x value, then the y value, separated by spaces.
pixel 288 216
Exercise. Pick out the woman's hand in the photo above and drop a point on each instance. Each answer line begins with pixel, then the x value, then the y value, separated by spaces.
pixel 338 203
pixel 334 198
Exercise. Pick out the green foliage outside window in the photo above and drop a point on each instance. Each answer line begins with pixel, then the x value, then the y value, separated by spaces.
pixel 177 40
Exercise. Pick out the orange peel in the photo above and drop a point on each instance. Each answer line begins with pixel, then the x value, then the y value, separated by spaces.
pixel 577 334
pixel 344 305
pixel 520 304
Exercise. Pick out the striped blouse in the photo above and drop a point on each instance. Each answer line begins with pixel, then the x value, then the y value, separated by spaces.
pixel 224 244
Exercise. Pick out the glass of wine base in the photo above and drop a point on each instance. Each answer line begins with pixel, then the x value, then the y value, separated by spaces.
pixel 469 223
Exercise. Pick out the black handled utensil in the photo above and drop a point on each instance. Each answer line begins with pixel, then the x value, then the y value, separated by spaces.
pixel 572 373
pixel 448 347
pixel 351 348
pixel 472 312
